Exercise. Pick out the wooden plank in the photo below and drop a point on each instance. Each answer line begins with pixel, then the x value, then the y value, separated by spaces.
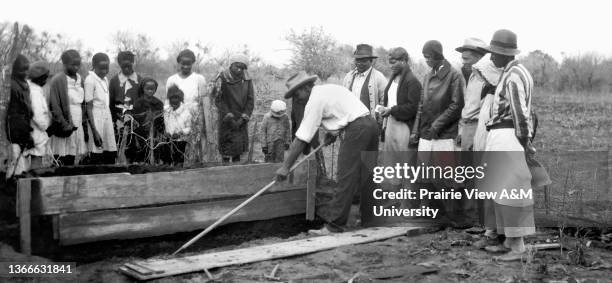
pixel 311 187
pixel 107 191
pixel 152 221
pixel 197 263
pixel 24 187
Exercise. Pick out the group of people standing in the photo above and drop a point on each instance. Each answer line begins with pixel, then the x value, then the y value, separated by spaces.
pixel 485 106
pixel 65 116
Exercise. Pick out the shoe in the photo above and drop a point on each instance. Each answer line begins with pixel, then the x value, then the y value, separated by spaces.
pixel 475 230
pixel 326 230
pixel 320 232
pixel 496 249
pixel 485 242
pixel 509 257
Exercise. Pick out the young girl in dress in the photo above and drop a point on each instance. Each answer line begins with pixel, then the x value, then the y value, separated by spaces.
pixel 101 145
pixel 177 121
pixel 66 102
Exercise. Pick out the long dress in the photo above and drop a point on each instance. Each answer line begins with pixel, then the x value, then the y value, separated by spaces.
pixel 237 97
pixel 40 120
pixel 203 112
pixel 96 90
pixel 74 144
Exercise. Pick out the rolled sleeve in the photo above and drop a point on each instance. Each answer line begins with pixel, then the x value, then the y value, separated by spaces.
pixel 313 114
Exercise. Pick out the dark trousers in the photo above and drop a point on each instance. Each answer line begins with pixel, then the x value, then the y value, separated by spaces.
pixel 173 152
pixel 65 160
pixel 106 157
pixel 356 159
pixel 234 159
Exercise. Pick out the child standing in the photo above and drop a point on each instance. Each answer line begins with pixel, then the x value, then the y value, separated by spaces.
pixel 102 144
pixel 276 132
pixel 39 73
pixel 66 97
pixel 177 121
pixel 147 113
pixel 19 115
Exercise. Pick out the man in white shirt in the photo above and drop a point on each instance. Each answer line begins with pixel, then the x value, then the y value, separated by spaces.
pixel 336 109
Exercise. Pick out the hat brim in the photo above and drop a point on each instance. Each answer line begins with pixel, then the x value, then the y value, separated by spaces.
pixel 364 57
pixel 502 50
pixel 275 114
pixel 291 91
pixel 471 48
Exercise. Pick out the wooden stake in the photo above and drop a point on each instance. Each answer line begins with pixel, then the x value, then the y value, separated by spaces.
pixel 25 225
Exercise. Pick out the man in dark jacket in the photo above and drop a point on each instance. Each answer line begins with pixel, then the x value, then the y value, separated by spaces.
pixel 443 101
pixel 441 110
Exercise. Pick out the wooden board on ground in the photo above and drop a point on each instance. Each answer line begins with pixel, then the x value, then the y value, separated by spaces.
pixel 158 268
pixel 54 195
pixel 82 227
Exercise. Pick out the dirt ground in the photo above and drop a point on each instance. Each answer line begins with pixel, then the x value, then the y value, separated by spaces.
pixel 435 256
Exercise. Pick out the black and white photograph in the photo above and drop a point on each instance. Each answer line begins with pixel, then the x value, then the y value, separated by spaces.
pixel 306 141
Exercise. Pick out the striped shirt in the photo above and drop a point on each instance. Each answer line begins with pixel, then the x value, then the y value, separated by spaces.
pixel 512 100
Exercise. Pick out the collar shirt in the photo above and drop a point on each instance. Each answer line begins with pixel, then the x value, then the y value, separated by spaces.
pixel 359 81
pixel 332 107
pixel 126 81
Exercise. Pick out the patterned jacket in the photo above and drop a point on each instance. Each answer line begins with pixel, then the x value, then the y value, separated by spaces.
pixel 512 101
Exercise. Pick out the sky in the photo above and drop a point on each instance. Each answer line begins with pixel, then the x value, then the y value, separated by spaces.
pixel 555 27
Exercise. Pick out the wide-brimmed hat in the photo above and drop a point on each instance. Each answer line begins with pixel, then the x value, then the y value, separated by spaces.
pixel 473 44
pixel 364 51
pixel 296 81
pixel 504 43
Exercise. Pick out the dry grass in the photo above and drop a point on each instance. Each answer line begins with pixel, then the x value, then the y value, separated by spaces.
pixel 573 121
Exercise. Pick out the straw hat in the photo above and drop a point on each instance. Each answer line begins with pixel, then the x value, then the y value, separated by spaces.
pixel 504 43
pixel 473 44
pixel 296 81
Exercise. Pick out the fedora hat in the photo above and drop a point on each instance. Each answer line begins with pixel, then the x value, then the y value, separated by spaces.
pixel 296 81
pixel 504 43
pixel 473 44
pixel 364 51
